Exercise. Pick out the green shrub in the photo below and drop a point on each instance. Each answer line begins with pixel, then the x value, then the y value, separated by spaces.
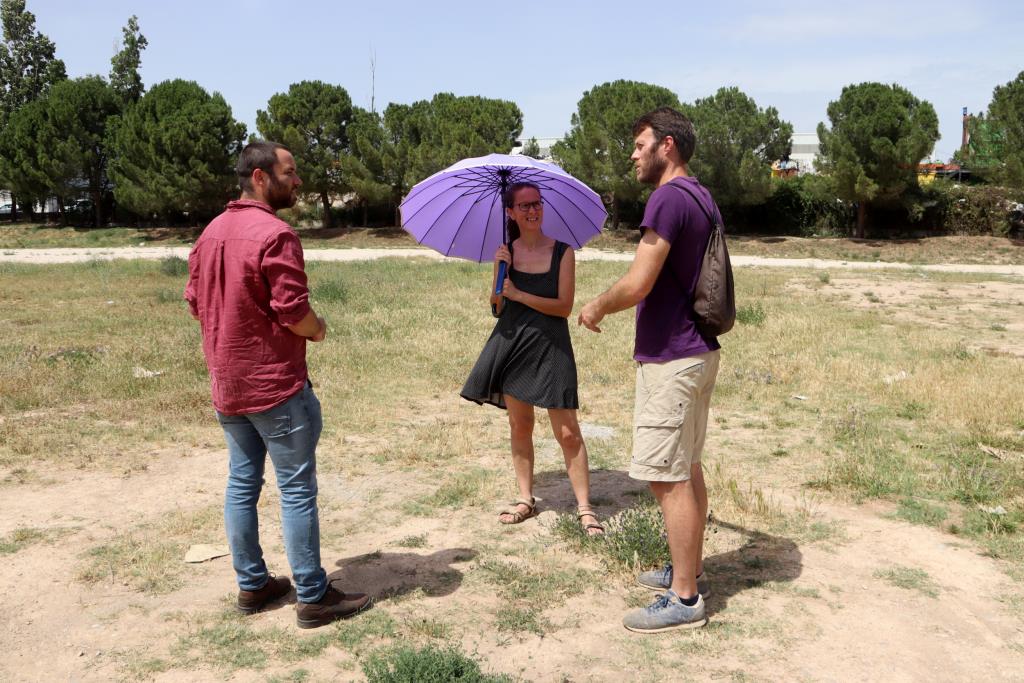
pixel 174 266
pixel 428 665
pixel 972 209
pixel 751 315
pixel 804 206
pixel 633 539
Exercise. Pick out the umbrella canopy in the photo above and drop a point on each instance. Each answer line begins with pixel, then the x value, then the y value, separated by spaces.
pixel 459 212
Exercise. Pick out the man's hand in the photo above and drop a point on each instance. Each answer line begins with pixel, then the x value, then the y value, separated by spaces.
pixel 590 316
pixel 322 333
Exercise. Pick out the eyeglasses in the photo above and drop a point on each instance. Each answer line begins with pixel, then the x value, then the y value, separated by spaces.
pixel 528 206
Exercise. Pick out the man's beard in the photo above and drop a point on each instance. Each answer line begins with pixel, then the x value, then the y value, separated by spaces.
pixel 651 171
pixel 280 196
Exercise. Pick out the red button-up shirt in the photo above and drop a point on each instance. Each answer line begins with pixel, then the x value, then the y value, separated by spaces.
pixel 246 282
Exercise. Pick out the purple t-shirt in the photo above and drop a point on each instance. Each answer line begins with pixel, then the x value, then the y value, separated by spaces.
pixel 664 319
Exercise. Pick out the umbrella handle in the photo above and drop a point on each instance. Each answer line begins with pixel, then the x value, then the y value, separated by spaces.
pixel 501 278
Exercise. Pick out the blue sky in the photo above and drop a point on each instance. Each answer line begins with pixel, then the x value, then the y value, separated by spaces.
pixel 795 56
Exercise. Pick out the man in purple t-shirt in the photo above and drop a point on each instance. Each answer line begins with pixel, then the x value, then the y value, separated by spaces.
pixel 676 364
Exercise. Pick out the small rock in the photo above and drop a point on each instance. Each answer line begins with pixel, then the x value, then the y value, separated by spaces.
pixel 898 377
pixel 592 431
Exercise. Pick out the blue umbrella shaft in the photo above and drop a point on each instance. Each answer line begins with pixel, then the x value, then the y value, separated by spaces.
pixel 501 278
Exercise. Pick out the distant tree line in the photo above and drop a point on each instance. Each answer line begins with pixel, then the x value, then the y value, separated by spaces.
pixel 108 148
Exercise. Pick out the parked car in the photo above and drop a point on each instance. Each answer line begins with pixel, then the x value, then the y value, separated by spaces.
pixel 5 209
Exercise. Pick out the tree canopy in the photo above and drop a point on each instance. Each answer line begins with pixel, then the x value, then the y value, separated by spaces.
pixel 600 142
pixel 59 142
pixel 1006 115
pixel 737 142
pixel 124 66
pixel 878 135
pixel 312 119
pixel 174 151
pixel 28 65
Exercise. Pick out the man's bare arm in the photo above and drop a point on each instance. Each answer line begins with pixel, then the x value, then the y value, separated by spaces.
pixel 312 326
pixel 632 287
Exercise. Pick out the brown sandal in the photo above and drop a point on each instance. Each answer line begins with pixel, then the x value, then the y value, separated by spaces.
pixel 592 526
pixel 518 516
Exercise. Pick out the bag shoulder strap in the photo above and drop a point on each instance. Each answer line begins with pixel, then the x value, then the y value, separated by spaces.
pixel 714 219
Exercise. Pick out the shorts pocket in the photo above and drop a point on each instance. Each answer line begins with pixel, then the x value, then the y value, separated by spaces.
pixel 656 439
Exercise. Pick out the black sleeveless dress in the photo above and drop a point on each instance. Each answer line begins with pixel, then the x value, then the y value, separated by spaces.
pixel 529 354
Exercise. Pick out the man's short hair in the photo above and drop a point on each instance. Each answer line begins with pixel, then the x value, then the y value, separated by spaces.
pixel 666 121
pixel 260 154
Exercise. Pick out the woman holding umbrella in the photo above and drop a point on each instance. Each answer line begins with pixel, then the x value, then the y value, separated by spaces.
pixel 528 360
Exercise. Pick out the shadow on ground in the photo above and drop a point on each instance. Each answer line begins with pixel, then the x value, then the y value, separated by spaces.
pixel 385 575
pixel 762 559
pixel 610 491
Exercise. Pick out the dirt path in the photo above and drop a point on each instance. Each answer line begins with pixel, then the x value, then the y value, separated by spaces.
pixel 76 255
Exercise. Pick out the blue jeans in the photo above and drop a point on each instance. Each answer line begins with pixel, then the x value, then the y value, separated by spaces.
pixel 289 432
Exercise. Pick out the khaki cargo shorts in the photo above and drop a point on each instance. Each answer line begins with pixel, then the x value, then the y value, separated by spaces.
pixel 671 416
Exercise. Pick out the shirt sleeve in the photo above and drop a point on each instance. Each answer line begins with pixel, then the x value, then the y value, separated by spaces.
pixel 664 214
pixel 190 288
pixel 284 268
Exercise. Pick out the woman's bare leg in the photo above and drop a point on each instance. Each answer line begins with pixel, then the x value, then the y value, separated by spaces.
pixel 567 432
pixel 520 422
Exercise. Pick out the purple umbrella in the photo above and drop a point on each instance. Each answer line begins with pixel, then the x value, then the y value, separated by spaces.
pixel 459 212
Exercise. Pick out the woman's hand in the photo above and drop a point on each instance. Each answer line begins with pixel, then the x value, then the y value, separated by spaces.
pixel 503 254
pixel 509 291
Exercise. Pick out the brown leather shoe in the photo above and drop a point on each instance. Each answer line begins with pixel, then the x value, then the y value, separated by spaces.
pixel 333 606
pixel 250 602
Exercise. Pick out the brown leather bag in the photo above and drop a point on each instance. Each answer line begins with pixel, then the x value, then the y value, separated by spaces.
pixel 714 297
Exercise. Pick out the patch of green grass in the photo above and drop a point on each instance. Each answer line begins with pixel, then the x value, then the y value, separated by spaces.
pixel 921 512
pixel 418 541
pixel 632 539
pixel 909 578
pixel 753 314
pixel 426 628
pixel 21 538
pixel 142 665
pixel 514 619
pixel 375 624
pixel 912 410
pixel 174 266
pixel 463 489
pixel 149 566
pixel 405 664
pixel 149 558
pixel 229 642
pixel 528 583
pixel 297 676
pixel 329 292
pixel 823 278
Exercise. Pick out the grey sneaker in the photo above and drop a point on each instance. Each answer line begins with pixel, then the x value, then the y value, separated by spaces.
pixel 661 580
pixel 665 613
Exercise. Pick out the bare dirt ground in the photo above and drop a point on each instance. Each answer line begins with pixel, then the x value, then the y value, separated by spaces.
pixel 820 612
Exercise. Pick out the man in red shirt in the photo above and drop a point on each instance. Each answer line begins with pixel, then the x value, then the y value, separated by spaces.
pixel 247 288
